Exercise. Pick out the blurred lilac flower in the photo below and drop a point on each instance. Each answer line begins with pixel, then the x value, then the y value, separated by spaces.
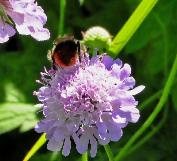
pixel 89 102
pixel 23 15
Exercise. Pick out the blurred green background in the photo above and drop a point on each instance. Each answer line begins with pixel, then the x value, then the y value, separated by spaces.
pixel 150 52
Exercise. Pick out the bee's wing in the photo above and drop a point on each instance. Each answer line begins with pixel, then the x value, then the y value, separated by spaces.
pixel 50 53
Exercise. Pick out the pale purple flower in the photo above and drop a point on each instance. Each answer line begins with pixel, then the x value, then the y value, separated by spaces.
pixel 88 103
pixel 25 16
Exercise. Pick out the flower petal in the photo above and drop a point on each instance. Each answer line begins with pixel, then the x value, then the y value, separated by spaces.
pixel 6 31
pixel 107 61
pixel 125 71
pixel 54 145
pixel 66 146
pixel 93 149
pixel 137 90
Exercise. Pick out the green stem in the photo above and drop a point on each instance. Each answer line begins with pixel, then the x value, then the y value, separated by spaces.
pixel 154 114
pixel 85 157
pixel 40 142
pixel 131 26
pixel 109 152
pixel 56 156
pixel 62 17
pixel 156 95
pixel 148 101
pixel 149 135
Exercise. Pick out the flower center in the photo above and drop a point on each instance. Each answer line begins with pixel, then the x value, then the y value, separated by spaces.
pixel 81 103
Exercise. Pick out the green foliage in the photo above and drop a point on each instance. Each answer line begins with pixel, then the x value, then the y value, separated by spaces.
pixel 47 156
pixel 174 97
pixel 12 94
pixel 81 2
pixel 153 27
pixel 17 115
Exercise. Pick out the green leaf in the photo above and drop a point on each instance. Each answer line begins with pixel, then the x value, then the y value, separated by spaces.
pixel 17 115
pixel 12 93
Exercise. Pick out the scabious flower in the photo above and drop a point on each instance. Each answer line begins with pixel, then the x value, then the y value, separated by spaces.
pixel 88 103
pixel 23 15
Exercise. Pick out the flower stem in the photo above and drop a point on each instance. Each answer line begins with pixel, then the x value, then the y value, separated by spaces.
pixel 109 152
pixel 62 17
pixel 85 156
pixel 148 101
pixel 56 156
pixel 154 114
pixel 150 134
pixel 35 147
pixel 131 26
